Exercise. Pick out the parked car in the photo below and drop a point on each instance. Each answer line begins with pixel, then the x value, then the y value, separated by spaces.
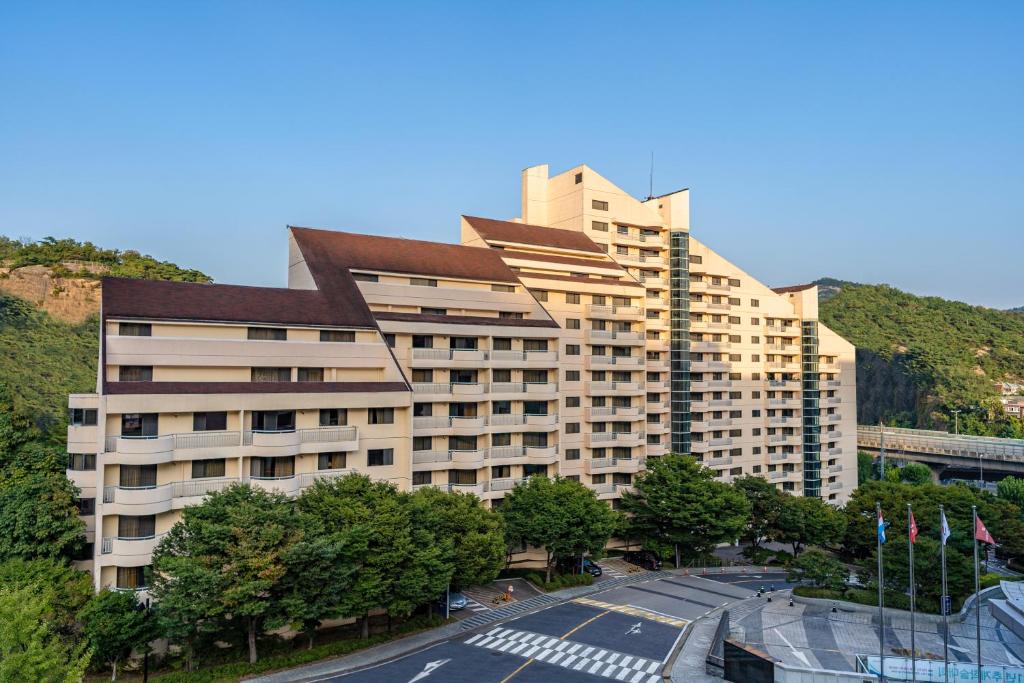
pixel 572 565
pixel 592 568
pixel 456 601
pixel 644 559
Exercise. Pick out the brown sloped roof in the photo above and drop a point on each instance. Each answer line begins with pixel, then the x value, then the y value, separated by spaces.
pixel 327 252
pixel 793 288
pixel 537 235
pixel 464 319
pixel 162 300
pixel 123 388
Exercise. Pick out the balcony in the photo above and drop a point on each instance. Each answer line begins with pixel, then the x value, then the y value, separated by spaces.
pixel 530 390
pixel 604 439
pixel 784 384
pixel 708 384
pixel 615 312
pixel 623 465
pixel 613 337
pixel 790 421
pixel 784 403
pixel 709 347
pixel 444 424
pixel 298 441
pixel 527 359
pixel 655 387
pixel 128 552
pixel 705 305
pixel 156 499
pixel 780 474
pixel 721 461
pixel 654 282
pixel 600 388
pixel 785 349
pixel 829 367
pixel 835 486
pixel 656 427
pixel 616 362
pixel 835 417
pixel 835 451
pixel 778 457
pixel 656 345
pixel 830 384
pixel 610 413
pixel 831 436
pixel 457 358
pixel 776 366
pixel 833 469
pixel 424 389
pixel 656 449
pixel 709 366
pixel 831 401
pixel 783 438
pixel 504 422
pixel 606 491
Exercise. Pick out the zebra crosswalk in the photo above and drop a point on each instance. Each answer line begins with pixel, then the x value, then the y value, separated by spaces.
pixel 570 655
pixel 474 606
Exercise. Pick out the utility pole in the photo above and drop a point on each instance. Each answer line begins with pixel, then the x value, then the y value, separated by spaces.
pixel 956 421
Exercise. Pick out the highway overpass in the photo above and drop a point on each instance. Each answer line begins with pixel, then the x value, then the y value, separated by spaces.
pixel 949 455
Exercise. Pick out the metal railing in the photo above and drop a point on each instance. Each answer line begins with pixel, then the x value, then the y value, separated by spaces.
pixel 942 443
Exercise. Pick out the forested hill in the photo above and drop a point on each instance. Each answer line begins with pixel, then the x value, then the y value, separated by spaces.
pixel 49 296
pixel 918 358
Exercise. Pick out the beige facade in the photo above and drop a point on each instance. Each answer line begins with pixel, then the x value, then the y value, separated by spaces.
pixel 544 345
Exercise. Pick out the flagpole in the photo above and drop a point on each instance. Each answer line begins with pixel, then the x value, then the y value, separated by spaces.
pixel 911 534
pixel 881 598
pixel 977 587
pixel 945 609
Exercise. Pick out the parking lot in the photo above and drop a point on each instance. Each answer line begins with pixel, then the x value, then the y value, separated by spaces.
pixel 624 633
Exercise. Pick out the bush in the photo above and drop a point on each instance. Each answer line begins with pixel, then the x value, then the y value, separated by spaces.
pixel 863 596
pixel 559 581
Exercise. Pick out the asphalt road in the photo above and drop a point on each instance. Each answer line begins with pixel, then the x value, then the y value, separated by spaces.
pixel 622 634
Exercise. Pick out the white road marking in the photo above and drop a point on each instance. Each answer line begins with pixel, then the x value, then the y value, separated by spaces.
pixel 796 653
pixel 428 669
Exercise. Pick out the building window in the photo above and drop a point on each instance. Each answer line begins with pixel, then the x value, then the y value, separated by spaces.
pixel 579 177
pixel 86 506
pixel 502 344
pixel 572 427
pixel 135 373
pixel 380 416
pixel 389 339
pixel 268 333
pixel 572 349
pixel 137 476
pixel 422 282
pixel 135 329
pixel 598 204
pixel 514 315
pixel 572 454
pixel 422 443
pixel 131 578
pixel 572 323
pixel 572 401
pixel 754 303
pixel 311 374
pixel 139 425
pixel 209 421
pixel 540 294
pixel 572 298
pixel 366 277
pixel 421 478
pixel 733 282
pixel 273 420
pixel 572 375
pixel 380 457
pixel 501 439
pixel 333 417
pixel 696 259
pixel 272 468
pixel 433 311
pixel 271 375
pixel 600 226
pixel 535 345
pixel 337 336
pixel 204 469
pixel 82 417
pixel 82 462
pixel 463 343
pixel 535 439
pixel 330 461
pixel 503 288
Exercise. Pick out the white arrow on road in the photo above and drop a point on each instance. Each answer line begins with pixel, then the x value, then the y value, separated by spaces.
pixel 635 628
pixel 429 669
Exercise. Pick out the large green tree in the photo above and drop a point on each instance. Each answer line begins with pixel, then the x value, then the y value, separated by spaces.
pixel 61 589
pixel 1011 489
pixel 927 570
pixel 115 624
pixel 765 506
pixel 233 544
pixel 560 515
pixel 678 503
pixel 819 568
pixel 916 473
pixel 804 520
pixel 30 647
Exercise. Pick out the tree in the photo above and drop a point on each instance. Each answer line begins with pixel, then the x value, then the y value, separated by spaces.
pixel 38 517
pixel 865 467
pixel 916 473
pixel 473 535
pixel 62 590
pixel 927 569
pixel 804 520
pixel 819 568
pixel 30 649
pixel 677 502
pixel 560 515
pixel 1011 489
pixel 231 549
pixel 765 506
pixel 115 625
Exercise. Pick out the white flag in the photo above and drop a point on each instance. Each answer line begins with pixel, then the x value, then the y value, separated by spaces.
pixel 944 533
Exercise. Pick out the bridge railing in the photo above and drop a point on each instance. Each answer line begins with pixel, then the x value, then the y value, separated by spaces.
pixel 941 443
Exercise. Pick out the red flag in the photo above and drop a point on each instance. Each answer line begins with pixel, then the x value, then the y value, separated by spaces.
pixel 981 533
pixel 913 528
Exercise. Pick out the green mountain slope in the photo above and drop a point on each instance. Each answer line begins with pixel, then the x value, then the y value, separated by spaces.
pixel 44 358
pixel 919 358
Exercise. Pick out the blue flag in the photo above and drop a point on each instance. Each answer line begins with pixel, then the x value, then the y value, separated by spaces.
pixel 881 528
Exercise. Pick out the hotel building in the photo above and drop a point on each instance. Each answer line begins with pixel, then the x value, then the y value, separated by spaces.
pixel 588 335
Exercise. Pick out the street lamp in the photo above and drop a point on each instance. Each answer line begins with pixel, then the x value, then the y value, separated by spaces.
pixel 956 421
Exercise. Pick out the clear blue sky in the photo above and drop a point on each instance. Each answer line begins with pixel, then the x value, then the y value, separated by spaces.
pixel 877 142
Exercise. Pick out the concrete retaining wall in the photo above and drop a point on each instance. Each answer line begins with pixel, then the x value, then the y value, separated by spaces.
pixel 842 605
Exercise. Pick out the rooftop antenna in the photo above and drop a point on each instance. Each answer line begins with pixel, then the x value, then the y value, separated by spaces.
pixel 650 189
